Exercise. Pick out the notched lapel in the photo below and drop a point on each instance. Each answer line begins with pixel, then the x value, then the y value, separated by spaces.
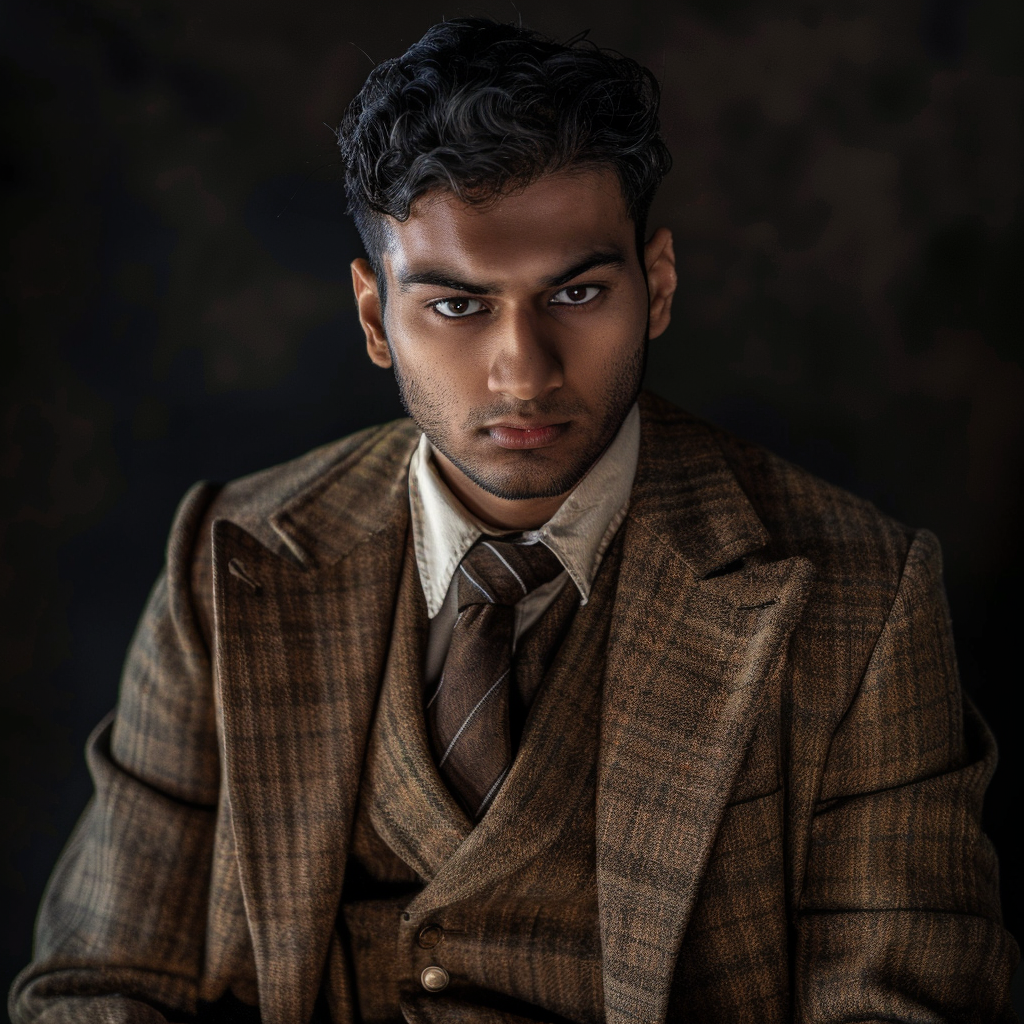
pixel 688 659
pixel 298 661
pixel 701 623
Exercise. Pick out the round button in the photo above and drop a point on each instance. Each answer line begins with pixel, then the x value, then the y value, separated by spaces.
pixel 434 979
pixel 430 935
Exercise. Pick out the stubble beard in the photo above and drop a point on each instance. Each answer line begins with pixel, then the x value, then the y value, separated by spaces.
pixel 528 473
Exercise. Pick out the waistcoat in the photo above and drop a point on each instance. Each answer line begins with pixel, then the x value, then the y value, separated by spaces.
pixel 508 907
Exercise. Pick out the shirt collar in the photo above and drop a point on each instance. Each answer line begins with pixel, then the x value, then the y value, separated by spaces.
pixel 578 533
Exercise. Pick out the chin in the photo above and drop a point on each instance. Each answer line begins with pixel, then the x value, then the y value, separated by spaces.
pixel 533 478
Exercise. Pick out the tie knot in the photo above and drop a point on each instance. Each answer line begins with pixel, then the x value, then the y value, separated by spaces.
pixel 504 572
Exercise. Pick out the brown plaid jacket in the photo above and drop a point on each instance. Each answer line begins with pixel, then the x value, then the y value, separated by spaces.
pixel 789 784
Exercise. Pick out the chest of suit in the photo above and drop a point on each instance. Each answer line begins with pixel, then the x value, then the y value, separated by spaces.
pixel 508 908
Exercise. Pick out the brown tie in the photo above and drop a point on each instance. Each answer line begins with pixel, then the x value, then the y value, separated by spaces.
pixel 468 711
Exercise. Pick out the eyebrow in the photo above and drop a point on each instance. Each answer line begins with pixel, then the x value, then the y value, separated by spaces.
pixel 605 258
pixel 441 278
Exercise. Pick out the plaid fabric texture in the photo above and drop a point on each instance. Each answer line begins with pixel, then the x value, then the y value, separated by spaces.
pixel 788 782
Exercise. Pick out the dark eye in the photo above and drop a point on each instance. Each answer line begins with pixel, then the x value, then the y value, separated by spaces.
pixel 455 308
pixel 575 295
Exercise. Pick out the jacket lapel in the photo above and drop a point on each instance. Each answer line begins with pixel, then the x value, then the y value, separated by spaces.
pixel 691 647
pixel 301 640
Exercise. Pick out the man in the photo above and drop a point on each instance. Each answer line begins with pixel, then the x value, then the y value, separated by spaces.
pixel 544 704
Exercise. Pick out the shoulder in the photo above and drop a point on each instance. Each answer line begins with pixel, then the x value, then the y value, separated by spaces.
pixel 809 516
pixel 874 578
pixel 354 465
pixel 841 533
pixel 252 500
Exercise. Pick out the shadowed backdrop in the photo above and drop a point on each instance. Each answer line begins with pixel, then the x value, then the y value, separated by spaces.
pixel 846 201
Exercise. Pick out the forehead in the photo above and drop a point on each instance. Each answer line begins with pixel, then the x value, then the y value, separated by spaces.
pixel 530 232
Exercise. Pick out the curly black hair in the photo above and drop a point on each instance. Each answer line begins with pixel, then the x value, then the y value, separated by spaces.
pixel 480 109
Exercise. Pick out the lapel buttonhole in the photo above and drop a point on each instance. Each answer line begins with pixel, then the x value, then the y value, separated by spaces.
pixel 237 569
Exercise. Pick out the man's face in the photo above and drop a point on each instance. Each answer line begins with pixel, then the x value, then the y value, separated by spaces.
pixel 517 331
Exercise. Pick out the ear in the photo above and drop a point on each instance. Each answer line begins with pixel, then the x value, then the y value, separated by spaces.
pixel 660 260
pixel 364 284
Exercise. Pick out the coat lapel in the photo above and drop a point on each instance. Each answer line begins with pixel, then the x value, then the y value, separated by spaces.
pixel 691 647
pixel 301 640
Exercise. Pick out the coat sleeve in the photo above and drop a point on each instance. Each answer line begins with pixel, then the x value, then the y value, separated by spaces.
pixel 122 924
pixel 899 918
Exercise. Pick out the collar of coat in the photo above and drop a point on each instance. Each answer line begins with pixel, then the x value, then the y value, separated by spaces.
pixel 684 492
pixel 302 614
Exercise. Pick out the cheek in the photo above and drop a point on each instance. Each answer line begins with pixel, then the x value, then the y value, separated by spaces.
pixel 443 372
pixel 626 316
pixel 612 342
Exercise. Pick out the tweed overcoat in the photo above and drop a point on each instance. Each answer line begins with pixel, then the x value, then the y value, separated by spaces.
pixel 789 783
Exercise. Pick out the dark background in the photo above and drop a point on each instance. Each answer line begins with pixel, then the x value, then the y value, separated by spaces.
pixel 846 201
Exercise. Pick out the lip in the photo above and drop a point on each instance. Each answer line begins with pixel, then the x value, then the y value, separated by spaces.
pixel 507 435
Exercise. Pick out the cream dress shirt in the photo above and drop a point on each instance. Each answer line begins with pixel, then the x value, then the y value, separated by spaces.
pixel 578 533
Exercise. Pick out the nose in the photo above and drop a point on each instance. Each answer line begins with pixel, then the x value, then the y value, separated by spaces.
pixel 524 364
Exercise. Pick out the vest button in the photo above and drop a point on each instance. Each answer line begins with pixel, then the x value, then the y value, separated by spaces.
pixel 430 936
pixel 434 979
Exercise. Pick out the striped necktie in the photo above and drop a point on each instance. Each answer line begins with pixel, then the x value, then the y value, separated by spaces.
pixel 468 712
